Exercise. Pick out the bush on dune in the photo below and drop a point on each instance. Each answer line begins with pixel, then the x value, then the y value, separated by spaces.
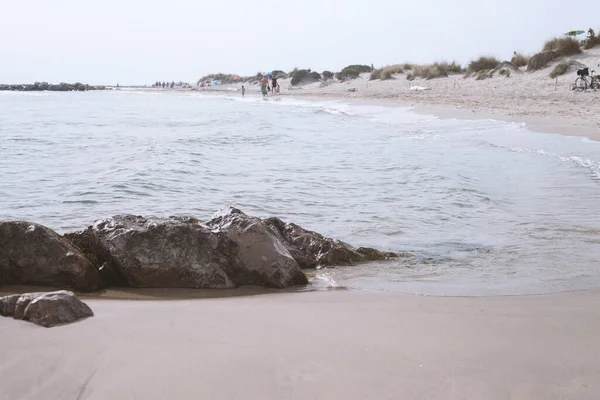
pixel 560 69
pixel 299 75
pixel 327 75
pixel 519 60
pixel 565 46
pixel 352 71
pixel 540 60
pixel 390 70
pixel 592 42
pixel 483 63
pixel 376 74
pixel 279 74
pixel 435 70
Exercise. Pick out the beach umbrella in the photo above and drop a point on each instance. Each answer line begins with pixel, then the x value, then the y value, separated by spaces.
pixel 574 32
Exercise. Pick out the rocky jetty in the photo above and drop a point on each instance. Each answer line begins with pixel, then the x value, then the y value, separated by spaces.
pixel 45 308
pixel 41 86
pixel 231 249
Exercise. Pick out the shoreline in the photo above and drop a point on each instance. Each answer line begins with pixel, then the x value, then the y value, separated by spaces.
pixel 566 126
pixel 350 345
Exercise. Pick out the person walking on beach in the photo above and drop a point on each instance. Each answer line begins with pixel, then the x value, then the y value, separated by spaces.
pixel 243 91
pixel 273 84
pixel 263 86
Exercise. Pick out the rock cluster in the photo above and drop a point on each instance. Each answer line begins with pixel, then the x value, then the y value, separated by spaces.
pixel 132 251
pixel 61 87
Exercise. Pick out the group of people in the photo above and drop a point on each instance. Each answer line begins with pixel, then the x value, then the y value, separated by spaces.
pixel 158 84
pixel 265 88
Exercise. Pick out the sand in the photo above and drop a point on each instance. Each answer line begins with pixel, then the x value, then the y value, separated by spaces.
pixel 312 345
pixel 545 104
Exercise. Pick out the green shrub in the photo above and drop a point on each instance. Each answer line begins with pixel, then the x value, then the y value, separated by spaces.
pixel 519 60
pixel 299 75
pixel 560 69
pixel 327 75
pixel 352 71
pixel 483 63
pixel 280 74
pixel 505 72
pixel 564 46
pixel 224 78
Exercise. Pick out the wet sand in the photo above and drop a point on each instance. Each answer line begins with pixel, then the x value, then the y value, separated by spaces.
pixel 323 345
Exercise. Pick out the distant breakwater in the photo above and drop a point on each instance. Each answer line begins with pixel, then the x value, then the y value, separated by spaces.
pixel 42 86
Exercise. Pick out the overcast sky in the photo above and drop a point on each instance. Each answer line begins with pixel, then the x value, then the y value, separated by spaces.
pixel 141 41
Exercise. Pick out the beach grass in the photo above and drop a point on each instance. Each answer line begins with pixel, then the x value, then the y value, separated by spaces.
pixel 560 69
pixel 483 63
pixel 564 46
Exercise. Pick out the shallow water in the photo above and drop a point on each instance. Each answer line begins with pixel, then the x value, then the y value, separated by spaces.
pixel 487 207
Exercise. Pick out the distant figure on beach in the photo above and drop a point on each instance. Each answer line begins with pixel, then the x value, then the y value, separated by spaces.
pixel 273 84
pixel 263 85
pixel 172 84
pixel 243 91
pixel 591 34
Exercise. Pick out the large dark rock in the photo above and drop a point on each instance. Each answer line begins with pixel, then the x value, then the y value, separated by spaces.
pixel 8 305
pixel 180 252
pixel 31 254
pixel 257 255
pixel 311 249
pixel 46 309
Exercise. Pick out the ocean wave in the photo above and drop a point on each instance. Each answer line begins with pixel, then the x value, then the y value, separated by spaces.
pixel 580 161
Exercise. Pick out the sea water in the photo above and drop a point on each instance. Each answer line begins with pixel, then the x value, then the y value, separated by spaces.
pixel 485 207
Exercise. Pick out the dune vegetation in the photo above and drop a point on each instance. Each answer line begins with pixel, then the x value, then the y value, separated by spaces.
pixel 480 68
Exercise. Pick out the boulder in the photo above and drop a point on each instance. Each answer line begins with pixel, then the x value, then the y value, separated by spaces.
pixel 311 249
pixel 31 254
pixel 180 252
pixel 8 304
pixel 46 309
pixel 258 256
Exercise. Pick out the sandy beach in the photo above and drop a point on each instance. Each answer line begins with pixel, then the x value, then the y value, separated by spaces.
pixel 325 345
pixel 544 104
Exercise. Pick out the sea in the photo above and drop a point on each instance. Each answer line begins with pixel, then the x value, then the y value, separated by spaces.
pixel 485 207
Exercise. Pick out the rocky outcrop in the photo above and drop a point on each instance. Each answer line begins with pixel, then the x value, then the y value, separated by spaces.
pixel 311 249
pixel 180 252
pixel 41 86
pixel 31 254
pixel 46 309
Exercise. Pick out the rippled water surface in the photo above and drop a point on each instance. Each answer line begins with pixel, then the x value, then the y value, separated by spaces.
pixel 486 207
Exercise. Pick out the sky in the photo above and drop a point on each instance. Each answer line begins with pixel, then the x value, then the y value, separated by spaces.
pixel 142 41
